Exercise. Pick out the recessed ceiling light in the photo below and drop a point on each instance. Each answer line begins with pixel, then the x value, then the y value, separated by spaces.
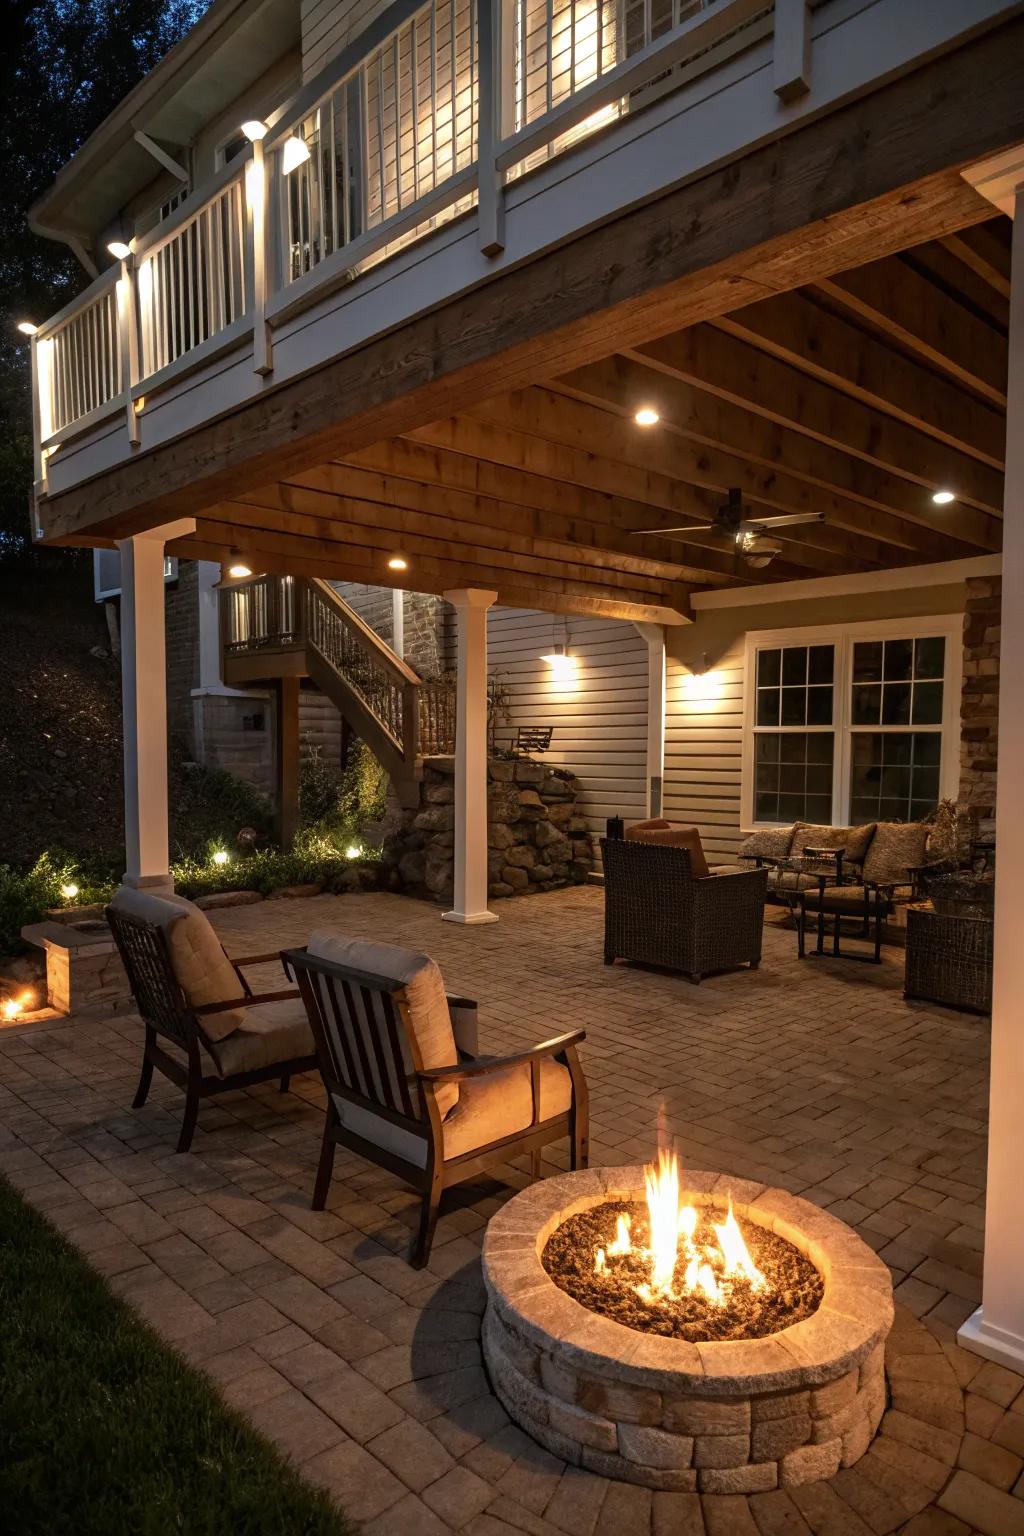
pixel 647 416
pixel 398 563
pixel 119 249
pixel 943 498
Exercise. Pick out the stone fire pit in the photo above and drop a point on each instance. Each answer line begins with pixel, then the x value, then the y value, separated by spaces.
pixel 739 1416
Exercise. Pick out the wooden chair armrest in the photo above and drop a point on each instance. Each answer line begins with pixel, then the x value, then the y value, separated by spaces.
pixel 482 1066
pixel 243 960
pixel 454 1001
pixel 249 1001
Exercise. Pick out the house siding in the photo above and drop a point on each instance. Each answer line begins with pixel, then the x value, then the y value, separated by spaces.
pixel 328 25
pixel 704 722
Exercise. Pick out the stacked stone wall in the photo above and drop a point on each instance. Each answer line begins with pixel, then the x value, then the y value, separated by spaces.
pixel 979 700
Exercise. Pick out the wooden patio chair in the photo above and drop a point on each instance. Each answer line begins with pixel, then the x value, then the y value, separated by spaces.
pixel 401 1092
pixel 197 1000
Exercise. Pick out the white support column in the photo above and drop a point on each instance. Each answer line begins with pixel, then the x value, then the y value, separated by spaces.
pixel 471 758
pixel 996 1330
pixel 654 634
pixel 398 622
pixel 144 704
pixel 208 598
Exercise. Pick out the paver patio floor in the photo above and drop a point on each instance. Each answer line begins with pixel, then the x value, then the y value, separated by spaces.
pixel 816 1076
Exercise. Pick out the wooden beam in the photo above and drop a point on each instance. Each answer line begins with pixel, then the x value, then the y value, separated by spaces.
pixel 713 360
pixel 793 327
pixel 855 495
pixel 879 174
pixel 943 267
pixel 902 304
pixel 544 414
pixel 339 562
pixel 982 249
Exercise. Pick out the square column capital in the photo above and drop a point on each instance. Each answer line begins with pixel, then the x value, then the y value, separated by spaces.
pixel 182 528
pixel 470 597
pixel 1000 178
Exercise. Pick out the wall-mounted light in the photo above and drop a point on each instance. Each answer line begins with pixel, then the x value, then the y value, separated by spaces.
pixel 27 328
pixel 254 130
pixel 293 154
pixel 562 664
pixel 700 683
pixel 238 565
pixel 646 416
pixel 943 498
pixel 398 563
pixel 119 249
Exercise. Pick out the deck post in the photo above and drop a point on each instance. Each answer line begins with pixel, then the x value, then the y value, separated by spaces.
pixel 996 1329
pixel 144 705
pixel 470 903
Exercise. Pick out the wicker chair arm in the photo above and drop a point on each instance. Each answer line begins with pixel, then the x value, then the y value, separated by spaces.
pixel 732 881
pixel 483 1066
pixel 249 1000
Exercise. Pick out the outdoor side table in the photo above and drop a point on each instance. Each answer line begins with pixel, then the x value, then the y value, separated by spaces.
pixel 949 958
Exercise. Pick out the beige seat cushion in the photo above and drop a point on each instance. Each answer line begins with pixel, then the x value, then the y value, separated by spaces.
pixel 854 841
pixel 204 972
pixel 845 899
pixel 767 843
pixel 652 824
pixel 789 880
pixel 269 1033
pixel 419 975
pixel 671 836
pixel 895 847
pixel 493 1107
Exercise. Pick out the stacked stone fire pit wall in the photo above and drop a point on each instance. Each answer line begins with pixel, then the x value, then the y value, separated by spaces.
pixel 537 839
pixel 736 1417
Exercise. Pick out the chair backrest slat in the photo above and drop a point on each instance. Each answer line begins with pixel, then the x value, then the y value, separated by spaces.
pixel 147 962
pixel 392 1022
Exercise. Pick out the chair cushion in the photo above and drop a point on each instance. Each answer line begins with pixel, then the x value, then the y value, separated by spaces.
pixel 652 824
pixel 895 846
pixel 430 1019
pixel 854 841
pixel 674 837
pixel 790 880
pixel 204 972
pixel 269 1033
pixel 501 1105
pixel 767 843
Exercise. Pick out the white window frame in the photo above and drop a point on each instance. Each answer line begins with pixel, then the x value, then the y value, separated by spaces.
pixel 844 636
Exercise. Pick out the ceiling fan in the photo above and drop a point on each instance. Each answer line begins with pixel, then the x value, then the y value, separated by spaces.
pixel 749 536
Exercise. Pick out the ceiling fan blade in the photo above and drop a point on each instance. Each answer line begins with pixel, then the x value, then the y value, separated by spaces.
pixel 686 528
pixel 783 520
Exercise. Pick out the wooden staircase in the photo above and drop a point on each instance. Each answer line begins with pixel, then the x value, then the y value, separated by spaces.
pixel 292 627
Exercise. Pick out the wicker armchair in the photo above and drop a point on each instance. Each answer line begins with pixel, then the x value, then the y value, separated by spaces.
pixel 657 912
pixel 405 1088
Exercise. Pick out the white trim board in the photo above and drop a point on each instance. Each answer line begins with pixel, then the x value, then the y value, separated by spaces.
pixel 843 636
pixel 903 579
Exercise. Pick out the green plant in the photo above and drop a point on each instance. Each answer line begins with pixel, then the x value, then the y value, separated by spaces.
pixel 364 788
pixel 209 808
pixel 26 895
pixel 320 785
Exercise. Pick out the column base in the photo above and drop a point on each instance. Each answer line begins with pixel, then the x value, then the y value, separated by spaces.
pixel 993 1343
pixel 468 917
pixel 157 884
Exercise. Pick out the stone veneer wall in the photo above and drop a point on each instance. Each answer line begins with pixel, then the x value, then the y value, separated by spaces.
pixel 536 838
pixel 429 623
pixel 979 701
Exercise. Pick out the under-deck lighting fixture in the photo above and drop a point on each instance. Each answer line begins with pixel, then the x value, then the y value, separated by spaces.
pixel 119 249
pixel 646 416
pixel 238 565
pixel 254 130
pixel 294 153
pixel 943 498
pixel 562 664
pixel 398 563
pixel 27 328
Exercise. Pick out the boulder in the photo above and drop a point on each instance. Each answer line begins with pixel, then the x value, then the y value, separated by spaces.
pixel 436 818
pixel 500 836
pixel 412 866
pixel 521 857
pixel 516 879
pixel 439 794
pixel 499 888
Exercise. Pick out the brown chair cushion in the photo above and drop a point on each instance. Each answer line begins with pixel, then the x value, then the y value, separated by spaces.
pixel 895 847
pixel 674 837
pixel 492 1107
pixel 854 841
pixel 429 1016
pixel 269 1033
pixel 653 824
pixel 203 970
pixel 767 843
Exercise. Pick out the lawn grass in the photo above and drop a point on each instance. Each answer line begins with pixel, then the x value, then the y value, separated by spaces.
pixel 105 1431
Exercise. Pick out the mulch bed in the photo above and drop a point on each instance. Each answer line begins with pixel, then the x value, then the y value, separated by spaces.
pixel 795 1287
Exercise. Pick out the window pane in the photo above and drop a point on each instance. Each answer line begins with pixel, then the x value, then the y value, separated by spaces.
pixel 767 749
pixel 821 664
pixel 819 748
pixel 794 664
pixel 767 775
pixel 899 660
pixel 792 778
pixel 819 706
pixel 894 775
pixel 867 704
pixel 802 790
pixel 793 749
pixel 927 704
pixel 930 657
pixel 767 706
pixel 766 808
pixel 896 704
pixel 768 663
pixel 794 706
pixel 867 661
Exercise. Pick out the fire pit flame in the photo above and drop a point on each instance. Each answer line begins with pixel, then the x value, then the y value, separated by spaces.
pixel 673 1228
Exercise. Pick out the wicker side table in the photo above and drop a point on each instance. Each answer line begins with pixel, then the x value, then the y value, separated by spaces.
pixel 949 958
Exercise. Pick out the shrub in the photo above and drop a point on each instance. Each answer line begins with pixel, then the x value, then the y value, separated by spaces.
pixel 26 895
pixel 209 808
pixel 319 788
pixel 364 787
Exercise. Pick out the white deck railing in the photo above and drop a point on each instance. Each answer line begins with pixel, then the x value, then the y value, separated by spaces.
pixel 417 126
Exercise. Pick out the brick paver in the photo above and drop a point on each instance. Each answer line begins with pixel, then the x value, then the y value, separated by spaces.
pixel 815 1076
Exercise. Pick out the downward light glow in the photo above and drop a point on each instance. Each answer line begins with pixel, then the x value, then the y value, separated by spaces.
pixel 14 1007
pixel 293 154
pixel 398 563
pixel 254 130
pixel 119 249
pixel 943 498
pixel 69 891
pixel 221 857
pixel 647 416
pixel 27 328
pixel 238 566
